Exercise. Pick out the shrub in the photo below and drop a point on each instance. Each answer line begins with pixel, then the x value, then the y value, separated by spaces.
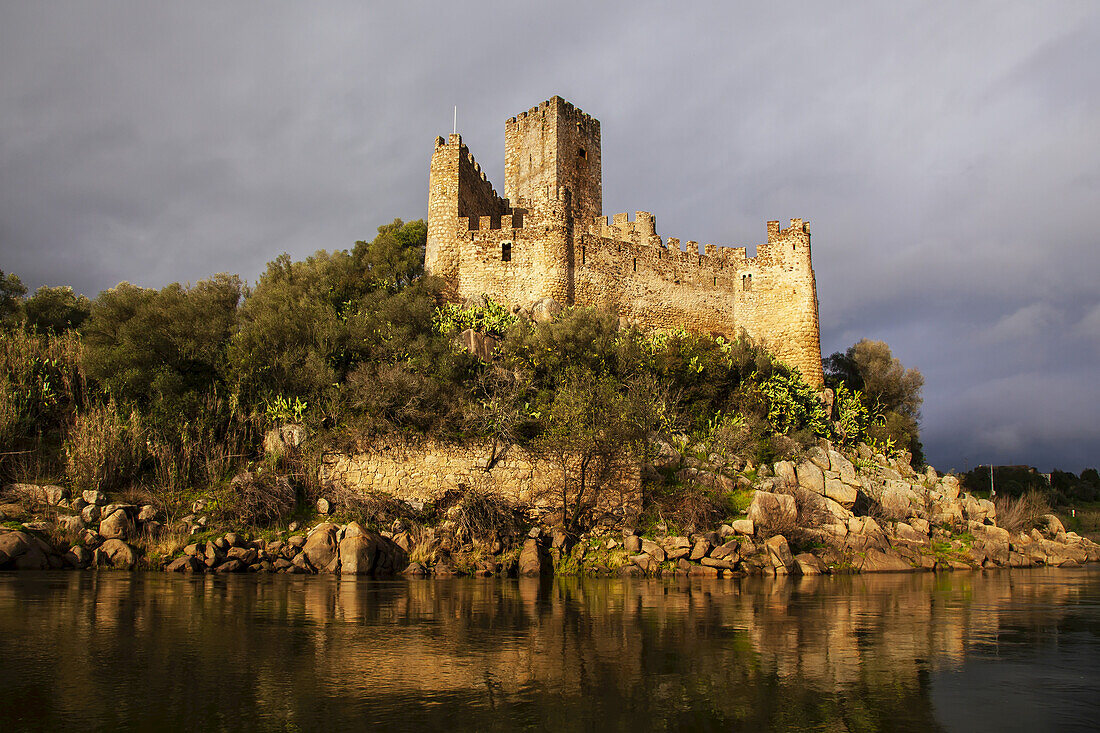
pixel 41 383
pixel 1021 513
pixel 482 515
pixel 258 497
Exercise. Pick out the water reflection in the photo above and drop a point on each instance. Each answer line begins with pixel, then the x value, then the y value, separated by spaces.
pixel 153 652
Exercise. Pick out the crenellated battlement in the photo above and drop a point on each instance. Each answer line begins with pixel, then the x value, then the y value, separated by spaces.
pixel 548 238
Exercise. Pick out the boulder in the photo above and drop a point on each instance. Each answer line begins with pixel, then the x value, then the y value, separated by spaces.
pixel 481 345
pixel 785 473
pixel 321 548
pixel 667 456
pixel 948 487
pixel 653 550
pixel 899 500
pixel 10 512
pixel 1052 525
pixel 819 457
pixel 632 544
pixel 358 553
pixel 728 551
pixel 38 494
pixel 415 569
pixel 978 510
pixel 94 496
pixel 324 507
pixel 77 557
pixel 836 511
pixel 70 523
pixel 840 492
pixel 277 440
pixel 920 525
pixel 743 527
pixel 907 533
pixel 810 477
pixel 700 550
pixel 246 555
pixel 809 564
pixel 13 545
pixel 89 514
pixel 531 560
pixel 301 563
pixel 545 310
pixel 779 553
pixel 185 564
pixel 117 525
pixel 770 509
pixel 232 565
pixel 877 561
pixel 844 468
pixel 115 553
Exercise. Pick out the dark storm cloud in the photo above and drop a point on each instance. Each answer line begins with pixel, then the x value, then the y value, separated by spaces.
pixel 947 158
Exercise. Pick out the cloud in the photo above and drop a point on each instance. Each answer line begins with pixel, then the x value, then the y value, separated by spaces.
pixel 1089 326
pixel 1023 325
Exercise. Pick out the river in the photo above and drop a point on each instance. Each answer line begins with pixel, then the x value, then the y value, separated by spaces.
pixel 997 651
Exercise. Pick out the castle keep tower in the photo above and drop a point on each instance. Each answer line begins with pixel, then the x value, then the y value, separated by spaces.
pixel 549 239
pixel 553 146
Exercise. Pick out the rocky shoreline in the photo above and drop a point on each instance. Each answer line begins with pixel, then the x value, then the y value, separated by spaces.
pixel 829 513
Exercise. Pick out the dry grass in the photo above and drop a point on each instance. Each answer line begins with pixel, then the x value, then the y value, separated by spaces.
pixel 258 498
pixel 481 515
pixel 1021 513
pixel 371 509
pixel 104 449
pixel 166 543
pixel 425 547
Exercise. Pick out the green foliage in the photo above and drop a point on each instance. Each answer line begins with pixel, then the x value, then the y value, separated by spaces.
pixel 793 404
pixel 338 320
pixel 55 310
pixel 41 383
pixel 890 393
pixel 162 350
pixel 280 409
pixel 12 291
pixel 852 417
pixel 492 318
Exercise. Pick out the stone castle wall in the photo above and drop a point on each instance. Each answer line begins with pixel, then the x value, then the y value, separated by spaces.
pixel 548 240
pixel 423 471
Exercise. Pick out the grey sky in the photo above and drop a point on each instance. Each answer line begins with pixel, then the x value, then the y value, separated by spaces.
pixel 946 154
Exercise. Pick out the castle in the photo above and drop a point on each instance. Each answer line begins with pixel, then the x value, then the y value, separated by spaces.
pixel 547 238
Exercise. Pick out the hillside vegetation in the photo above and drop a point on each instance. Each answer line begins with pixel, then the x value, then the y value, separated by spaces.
pixel 167 393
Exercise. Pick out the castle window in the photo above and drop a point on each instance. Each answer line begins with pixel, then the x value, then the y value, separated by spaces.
pixel 715 283
pixel 746 282
pixel 635 264
pixel 505 251
pixel 582 154
pixel 582 255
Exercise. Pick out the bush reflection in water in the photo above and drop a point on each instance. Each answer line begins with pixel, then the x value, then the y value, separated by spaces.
pixel 149 651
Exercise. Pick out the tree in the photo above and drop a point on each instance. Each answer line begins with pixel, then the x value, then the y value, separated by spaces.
pixel 165 348
pixel 308 325
pixel 592 426
pixel 56 309
pixel 891 393
pixel 12 291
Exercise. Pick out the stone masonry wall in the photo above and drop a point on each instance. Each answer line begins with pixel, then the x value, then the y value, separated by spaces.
pixel 423 471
